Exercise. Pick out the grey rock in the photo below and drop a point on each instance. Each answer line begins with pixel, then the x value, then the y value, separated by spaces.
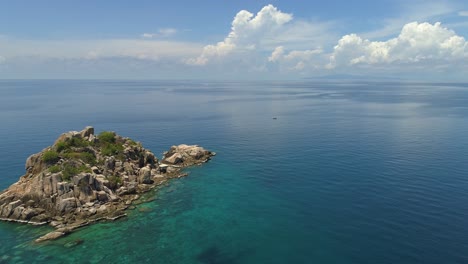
pixel 66 205
pixel 175 158
pixel 40 218
pixel 8 210
pixel 102 196
pixel 122 190
pixel 29 213
pixel 55 223
pixel 50 236
pixel 102 208
pixel 110 163
pixel 145 175
pixel 132 187
pixel 17 212
pixel 62 188
pixel 88 131
pixel 92 138
pixel 95 170
pixel 186 155
pixel 92 210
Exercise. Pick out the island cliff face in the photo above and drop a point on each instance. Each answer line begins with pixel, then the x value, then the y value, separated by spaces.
pixel 83 178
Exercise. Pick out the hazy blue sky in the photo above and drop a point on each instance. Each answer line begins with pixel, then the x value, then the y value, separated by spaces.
pixel 421 40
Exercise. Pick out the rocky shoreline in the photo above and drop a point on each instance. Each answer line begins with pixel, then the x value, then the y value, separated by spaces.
pixel 84 178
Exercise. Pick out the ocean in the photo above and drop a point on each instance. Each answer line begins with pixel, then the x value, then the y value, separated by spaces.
pixel 306 172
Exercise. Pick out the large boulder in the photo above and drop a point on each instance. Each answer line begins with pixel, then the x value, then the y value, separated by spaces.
pixel 145 175
pixel 175 158
pixel 88 131
pixel 66 205
pixel 67 136
pixel 34 163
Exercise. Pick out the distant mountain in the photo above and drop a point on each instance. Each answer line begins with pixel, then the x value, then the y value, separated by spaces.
pixel 352 77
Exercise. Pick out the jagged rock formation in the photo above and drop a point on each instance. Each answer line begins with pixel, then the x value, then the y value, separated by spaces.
pixel 83 178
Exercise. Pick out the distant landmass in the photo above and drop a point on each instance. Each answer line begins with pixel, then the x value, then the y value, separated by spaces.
pixel 352 77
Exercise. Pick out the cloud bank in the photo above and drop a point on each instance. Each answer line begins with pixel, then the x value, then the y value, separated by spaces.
pixel 247 33
pixel 99 49
pixel 258 33
pixel 252 40
pixel 416 43
pixel 270 42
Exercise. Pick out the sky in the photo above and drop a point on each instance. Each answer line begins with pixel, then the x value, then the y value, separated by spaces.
pixel 236 40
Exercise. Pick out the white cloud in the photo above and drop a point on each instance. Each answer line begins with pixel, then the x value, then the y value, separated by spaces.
pixel 463 13
pixel 416 10
pixel 96 49
pixel 162 33
pixel 262 32
pixel 277 54
pixel 296 59
pixel 246 32
pixel 274 41
pixel 268 42
pixel 417 42
pixel 148 35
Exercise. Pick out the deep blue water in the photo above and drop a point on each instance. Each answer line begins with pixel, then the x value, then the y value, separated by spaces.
pixel 348 172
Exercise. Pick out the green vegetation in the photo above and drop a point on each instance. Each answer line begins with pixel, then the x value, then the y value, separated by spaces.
pixel 74 142
pixel 55 169
pixel 110 146
pixel 50 157
pixel 111 149
pixel 61 146
pixel 106 137
pixel 86 157
pixel 77 142
pixel 132 143
pixel 76 151
pixel 70 170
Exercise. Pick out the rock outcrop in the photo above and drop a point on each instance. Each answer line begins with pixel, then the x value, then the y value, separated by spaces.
pixel 185 155
pixel 83 178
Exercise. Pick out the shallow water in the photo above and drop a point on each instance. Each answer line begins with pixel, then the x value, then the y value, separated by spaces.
pixel 347 173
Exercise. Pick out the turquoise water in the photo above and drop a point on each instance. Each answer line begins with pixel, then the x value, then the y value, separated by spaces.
pixel 347 173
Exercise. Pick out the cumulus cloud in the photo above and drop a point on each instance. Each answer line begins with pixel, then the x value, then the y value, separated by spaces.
pixel 277 54
pixel 295 59
pixel 162 33
pixel 273 40
pixel 263 32
pixel 417 42
pixel 247 31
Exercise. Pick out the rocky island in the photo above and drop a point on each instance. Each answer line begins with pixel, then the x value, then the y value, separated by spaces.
pixel 84 178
